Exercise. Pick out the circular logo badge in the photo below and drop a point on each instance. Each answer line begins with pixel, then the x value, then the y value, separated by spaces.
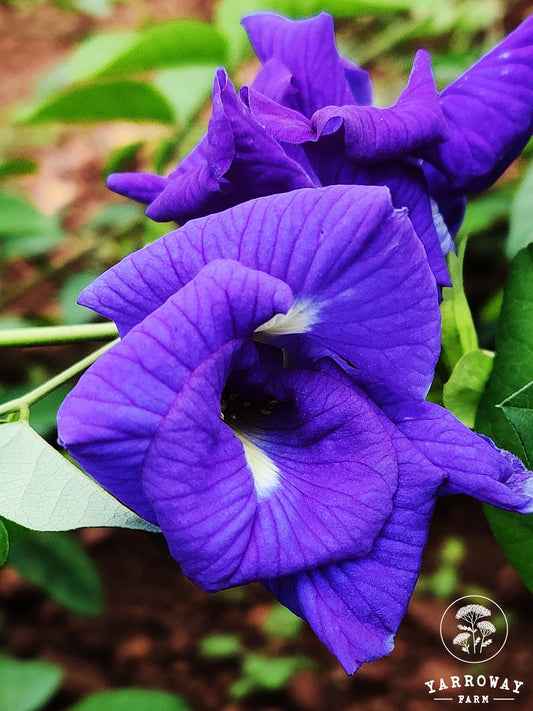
pixel 474 629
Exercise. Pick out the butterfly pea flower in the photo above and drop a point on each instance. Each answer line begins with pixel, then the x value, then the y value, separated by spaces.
pixel 265 407
pixel 307 121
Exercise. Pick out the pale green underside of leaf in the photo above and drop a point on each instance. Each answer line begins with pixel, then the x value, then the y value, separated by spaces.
pixel 512 371
pixel 41 490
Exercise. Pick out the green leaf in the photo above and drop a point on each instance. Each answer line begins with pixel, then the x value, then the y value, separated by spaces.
pixel 166 153
pixel 453 551
pixel 125 100
pixel 462 392
pixel 168 45
pixel 73 313
pixel 221 646
pixel 40 489
pixel 281 622
pixel 444 581
pixel 131 700
pixel 95 54
pixel 187 88
pixel 59 565
pixel 512 370
pixel 513 365
pixel 518 409
pixel 24 231
pixel 458 331
pixel 13 322
pixel 43 413
pixel 491 309
pixel 478 15
pixel 486 211
pixel 27 686
pixel 261 673
pixel 514 533
pixel 123 158
pixel 521 224
pixel 4 543
pixel 448 65
pixel 115 218
pixel 16 166
pixel 393 35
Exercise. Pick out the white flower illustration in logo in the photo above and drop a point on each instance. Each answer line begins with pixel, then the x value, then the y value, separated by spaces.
pixel 467 634
pixel 476 630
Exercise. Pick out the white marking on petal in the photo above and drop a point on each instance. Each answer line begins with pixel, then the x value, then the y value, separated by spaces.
pixel 301 316
pixel 265 473
pixel 445 238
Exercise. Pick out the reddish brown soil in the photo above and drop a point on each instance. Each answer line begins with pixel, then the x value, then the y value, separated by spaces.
pixel 155 620
pixel 34 40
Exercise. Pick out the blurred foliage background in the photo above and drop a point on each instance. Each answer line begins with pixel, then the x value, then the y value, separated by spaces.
pixel 91 87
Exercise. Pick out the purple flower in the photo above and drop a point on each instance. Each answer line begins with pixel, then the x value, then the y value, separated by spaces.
pixel 265 407
pixel 306 121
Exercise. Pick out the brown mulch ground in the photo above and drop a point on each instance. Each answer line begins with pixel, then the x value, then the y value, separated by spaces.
pixel 155 619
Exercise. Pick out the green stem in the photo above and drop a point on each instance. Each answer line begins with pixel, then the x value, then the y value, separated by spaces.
pixel 56 335
pixel 21 404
